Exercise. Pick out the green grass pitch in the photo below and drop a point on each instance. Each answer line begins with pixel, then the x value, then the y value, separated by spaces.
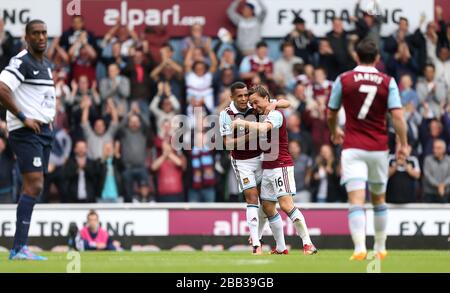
pixel 188 262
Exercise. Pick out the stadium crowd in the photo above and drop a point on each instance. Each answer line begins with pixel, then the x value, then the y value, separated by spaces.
pixel 118 94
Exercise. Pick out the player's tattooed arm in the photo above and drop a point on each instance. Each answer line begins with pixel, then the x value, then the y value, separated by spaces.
pixel 7 101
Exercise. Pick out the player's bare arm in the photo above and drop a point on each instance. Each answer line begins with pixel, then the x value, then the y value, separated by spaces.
pixel 7 101
pixel 278 104
pixel 253 127
pixel 337 134
pixel 399 124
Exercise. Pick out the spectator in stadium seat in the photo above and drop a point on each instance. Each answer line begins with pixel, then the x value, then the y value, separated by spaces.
pixel 431 39
pixel 413 121
pixel 315 121
pixel 110 169
pixel 257 65
pixel 201 168
pixel 195 39
pixel 299 100
pixel 63 92
pixel 325 179
pixel 368 23
pixel 7 163
pixel 138 72
pixel 302 171
pixel 404 173
pixel 164 105
pixel 81 91
pixel 227 72
pixel 430 131
pixel 115 57
pixel 169 70
pixel 199 81
pixel 444 32
pixel 321 86
pixel 441 61
pixel 339 53
pixel 169 166
pixel 248 24
pixel 432 90
pixel 156 38
pixel 402 62
pixel 304 42
pixel 283 67
pixel 6 45
pixel 224 43
pixel 327 59
pixel 436 170
pixel 75 32
pixel 407 92
pixel 60 153
pixel 81 176
pixel 127 38
pixel 83 58
pixel 134 139
pixel 58 56
pixel 297 132
pixel 96 138
pixel 95 237
pixel 117 87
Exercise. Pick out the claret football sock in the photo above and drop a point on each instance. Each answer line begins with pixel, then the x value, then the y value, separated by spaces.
pixel 23 219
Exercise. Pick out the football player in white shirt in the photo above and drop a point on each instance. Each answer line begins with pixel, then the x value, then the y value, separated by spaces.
pixel 27 91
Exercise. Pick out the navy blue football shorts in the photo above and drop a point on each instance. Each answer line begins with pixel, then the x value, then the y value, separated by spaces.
pixel 32 150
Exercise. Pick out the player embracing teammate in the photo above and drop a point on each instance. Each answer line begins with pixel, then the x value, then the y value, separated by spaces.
pixel 275 173
pixel 367 95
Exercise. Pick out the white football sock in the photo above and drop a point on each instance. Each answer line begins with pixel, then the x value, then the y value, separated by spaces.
pixel 357 225
pixel 252 221
pixel 300 225
pixel 262 217
pixel 276 225
pixel 380 222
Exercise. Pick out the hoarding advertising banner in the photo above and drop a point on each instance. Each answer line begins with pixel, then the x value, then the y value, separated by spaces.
pixel 177 16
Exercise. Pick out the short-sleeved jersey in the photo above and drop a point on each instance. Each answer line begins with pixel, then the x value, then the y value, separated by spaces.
pixel 226 117
pixel 366 95
pixel 33 88
pixel 278 145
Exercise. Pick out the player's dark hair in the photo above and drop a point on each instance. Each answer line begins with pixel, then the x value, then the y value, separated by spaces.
pixel 92 213
pixel 367 51
pixel 260 91
pixel 31 23
pixel 238 85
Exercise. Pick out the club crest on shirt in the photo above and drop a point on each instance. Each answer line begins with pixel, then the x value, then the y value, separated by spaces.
pixel 246 181
pixel 37 162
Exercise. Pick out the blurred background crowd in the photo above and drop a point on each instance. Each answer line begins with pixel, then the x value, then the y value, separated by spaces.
pixel 117 95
